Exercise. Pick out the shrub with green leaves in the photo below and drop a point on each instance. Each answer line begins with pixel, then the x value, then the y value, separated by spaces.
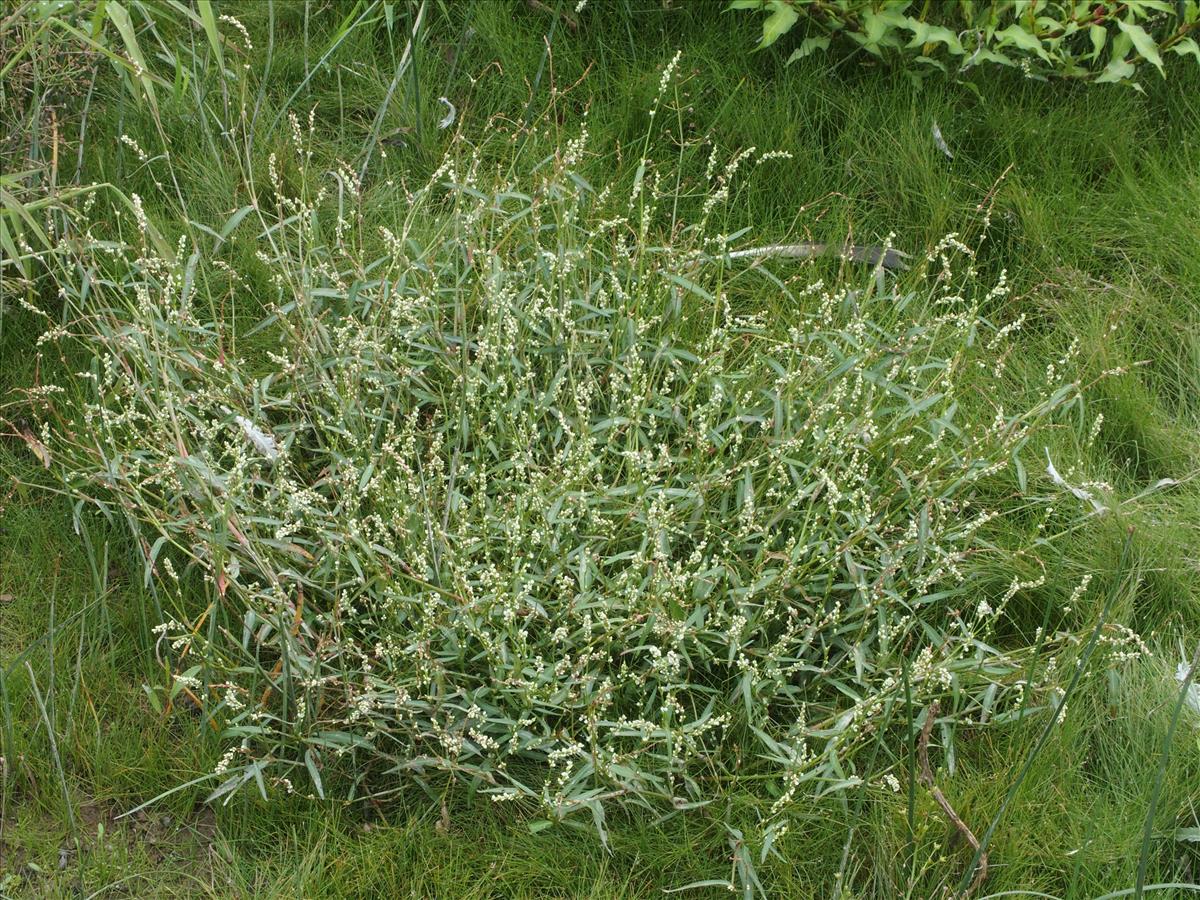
pixel 515 491
pixel 1104 41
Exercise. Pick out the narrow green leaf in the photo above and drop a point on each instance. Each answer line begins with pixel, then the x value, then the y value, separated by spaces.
pixel 233 222
pixel 152 697
pixel 314 773
pixel 10 249
pixel 1099 36
pixel 210 28
pixel 120 17
pixel 695 885
pixel 12 205
pixel 924 33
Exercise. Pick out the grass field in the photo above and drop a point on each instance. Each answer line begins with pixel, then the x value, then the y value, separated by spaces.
pixel 1094 193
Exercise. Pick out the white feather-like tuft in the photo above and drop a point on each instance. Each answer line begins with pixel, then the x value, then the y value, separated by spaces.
pixel 1193 691
pixel 1079 492
pixel 450 116
pixel 940 142
pixel 263 442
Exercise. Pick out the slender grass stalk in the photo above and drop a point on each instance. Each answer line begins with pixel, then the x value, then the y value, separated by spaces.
pixel 1160 776
pixel 1052 722
pixel 54 754
pixel 401 68
pixel 10 735
pixel 343 34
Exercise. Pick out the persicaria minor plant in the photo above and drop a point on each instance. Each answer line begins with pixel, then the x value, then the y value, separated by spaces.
pixel 513 493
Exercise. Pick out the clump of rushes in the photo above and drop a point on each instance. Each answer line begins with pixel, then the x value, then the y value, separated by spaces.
pixel 518 498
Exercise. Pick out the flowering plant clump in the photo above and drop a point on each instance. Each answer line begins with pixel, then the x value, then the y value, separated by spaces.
pixel 515 495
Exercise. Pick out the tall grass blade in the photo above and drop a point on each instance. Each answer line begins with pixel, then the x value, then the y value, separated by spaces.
pixel 208 17
pixel 120 18
pixel 1052 722
pixel 1160 776
pixel 51 736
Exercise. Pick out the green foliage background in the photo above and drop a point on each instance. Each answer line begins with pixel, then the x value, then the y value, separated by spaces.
pixel 1104 41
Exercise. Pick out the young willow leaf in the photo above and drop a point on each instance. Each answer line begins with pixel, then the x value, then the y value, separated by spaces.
pixel 924 33
pixel 1117 70
pixel 1019 37
pixel 1099 36
pixel 779 23
pixel 809 46
pixel 1187 46
pixel 1143 43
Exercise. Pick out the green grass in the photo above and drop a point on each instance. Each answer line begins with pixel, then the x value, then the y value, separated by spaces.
pixel 1094 222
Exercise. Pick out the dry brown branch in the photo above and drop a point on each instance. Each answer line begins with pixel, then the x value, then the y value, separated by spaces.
pixel 926 778
pixel 567 20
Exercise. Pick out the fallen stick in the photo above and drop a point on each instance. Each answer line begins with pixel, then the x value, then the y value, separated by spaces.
pixel 926 778
pixel 863 253
pixel 561 16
